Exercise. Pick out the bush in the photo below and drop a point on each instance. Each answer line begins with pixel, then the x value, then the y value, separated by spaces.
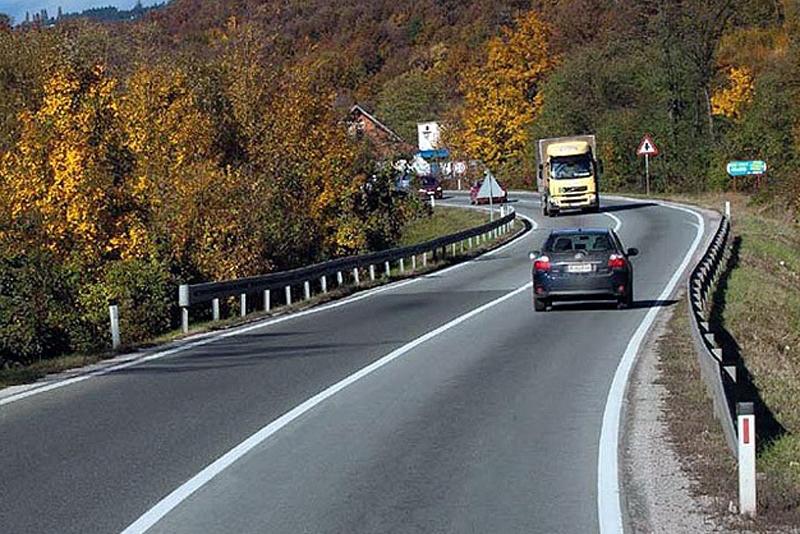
pixel 35 302
pixel 144 292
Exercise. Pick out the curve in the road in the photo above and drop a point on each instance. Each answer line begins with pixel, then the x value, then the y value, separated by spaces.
pixel 493 424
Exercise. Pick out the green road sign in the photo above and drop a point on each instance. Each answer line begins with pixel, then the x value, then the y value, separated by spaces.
pixel 747 168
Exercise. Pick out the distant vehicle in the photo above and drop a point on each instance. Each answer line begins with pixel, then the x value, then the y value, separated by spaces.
pixel 403 184
pixel 568 174
pixel 499 196
pixel 582 264
pixel 430 187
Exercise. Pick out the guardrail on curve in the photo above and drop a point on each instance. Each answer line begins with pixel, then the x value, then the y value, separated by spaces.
pixel 718 368
pixel 190 294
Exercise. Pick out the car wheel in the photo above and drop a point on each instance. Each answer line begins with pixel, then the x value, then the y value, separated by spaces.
pixel 539 305
pixel 625 302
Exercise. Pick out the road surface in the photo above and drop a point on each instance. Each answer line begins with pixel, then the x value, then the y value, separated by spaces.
pixel 491 424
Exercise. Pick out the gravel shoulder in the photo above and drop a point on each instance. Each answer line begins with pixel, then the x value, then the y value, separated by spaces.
pixel 658 491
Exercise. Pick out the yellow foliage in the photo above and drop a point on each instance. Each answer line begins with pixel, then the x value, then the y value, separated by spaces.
pixel 731 100
pixel 501 97
pixel 67 166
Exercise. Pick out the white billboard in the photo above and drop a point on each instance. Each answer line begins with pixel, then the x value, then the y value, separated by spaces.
pixel 428 134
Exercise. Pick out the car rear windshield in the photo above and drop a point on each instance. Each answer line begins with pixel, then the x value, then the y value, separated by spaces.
pixel 429 182
pixel 574 242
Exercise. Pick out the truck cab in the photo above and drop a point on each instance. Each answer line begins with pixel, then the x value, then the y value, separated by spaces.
pixel 568 174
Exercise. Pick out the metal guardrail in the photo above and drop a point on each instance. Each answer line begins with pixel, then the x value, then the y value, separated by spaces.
pixel 717 368
pixel 351 267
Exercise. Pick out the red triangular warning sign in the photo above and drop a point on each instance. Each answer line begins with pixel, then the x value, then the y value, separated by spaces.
pixel 647 147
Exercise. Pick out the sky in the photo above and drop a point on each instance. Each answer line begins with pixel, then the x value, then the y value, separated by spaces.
pixel 17 8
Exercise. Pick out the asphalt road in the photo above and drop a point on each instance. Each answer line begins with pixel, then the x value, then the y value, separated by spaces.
pixel 490 426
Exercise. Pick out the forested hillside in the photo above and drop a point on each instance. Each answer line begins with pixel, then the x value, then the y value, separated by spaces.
pixel 207 140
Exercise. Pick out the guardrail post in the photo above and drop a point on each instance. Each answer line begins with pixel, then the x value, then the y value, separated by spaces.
pixel 433 201
pixel 339 278
pixel 388 269
pixel 747 457
pixel 424 259
pixel 183 302
pixel 243 304
pixel 324 282
pixel 461 246
pixel 453 249
pixel 307 290
pixel 469 241
pixel 288 292
pixel 728 209
pixel 413 262
pixel 113 313
pixel 355 275
pixel 372 273
pixel 402 266
pixel 266 300
pixel 215 309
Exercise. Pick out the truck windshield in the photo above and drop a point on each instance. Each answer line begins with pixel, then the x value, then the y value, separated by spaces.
pixel 571 167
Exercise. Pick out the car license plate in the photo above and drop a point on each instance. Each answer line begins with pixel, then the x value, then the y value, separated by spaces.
pixel 580 268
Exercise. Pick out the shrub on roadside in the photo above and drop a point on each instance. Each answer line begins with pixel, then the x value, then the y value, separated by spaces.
pixel 144 292
pixel 35 297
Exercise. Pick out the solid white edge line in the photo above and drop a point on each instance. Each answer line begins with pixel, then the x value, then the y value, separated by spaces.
pixel 211 338
pixel 168 503
pixel 609 507
pixel 617 221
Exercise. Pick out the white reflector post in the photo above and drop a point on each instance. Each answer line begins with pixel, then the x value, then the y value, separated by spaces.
pixel 746 420
pixel 113 313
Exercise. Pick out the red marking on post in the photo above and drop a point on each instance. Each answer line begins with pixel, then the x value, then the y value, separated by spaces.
pixel 746 430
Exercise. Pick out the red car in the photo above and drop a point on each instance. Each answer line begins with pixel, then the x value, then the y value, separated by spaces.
pixel 430 187
pixel 498 197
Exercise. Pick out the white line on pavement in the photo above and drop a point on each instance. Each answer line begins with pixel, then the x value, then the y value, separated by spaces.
pixel 168 503
pixel 609 508
pixel 617 221
pixel 206 339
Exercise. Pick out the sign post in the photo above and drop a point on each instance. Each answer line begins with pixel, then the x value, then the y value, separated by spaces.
pixel 647 148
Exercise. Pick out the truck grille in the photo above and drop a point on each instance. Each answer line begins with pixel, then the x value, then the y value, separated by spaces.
pixel 579 189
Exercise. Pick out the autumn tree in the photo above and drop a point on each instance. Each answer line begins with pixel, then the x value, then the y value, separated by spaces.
pixel 502 96
pixel 66 176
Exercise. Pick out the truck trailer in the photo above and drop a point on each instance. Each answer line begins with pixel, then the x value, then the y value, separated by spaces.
pixel 568 174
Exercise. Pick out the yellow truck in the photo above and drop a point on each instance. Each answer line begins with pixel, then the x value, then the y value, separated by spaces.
pixel 568 174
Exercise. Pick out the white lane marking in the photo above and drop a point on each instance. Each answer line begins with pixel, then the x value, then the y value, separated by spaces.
pixel 168 503
pixel 609 508
pixel 617 221
pixel 211 338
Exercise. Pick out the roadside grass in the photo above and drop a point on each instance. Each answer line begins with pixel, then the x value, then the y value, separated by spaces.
pixel 443 221
pixel 695 432
pixel 759 309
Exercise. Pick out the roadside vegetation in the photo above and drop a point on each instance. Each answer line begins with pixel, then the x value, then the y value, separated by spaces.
pixel 442 221
pixel 756 309
pixel 208 140
pixel 429 224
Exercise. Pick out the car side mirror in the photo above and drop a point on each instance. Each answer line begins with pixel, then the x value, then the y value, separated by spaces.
pixel 534 254
pixel 633 252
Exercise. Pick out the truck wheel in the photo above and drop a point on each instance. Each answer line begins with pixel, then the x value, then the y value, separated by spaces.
pixel 539 305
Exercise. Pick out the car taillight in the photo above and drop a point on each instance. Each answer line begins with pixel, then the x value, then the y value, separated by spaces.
pixel 615 261
pixel 541 264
